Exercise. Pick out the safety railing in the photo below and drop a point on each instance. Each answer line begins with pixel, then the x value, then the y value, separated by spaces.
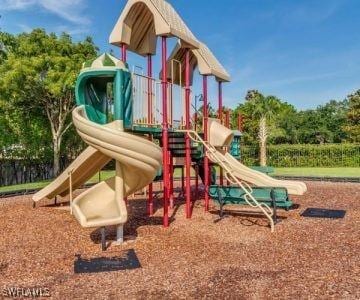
pixel 217 157
pixel 147 102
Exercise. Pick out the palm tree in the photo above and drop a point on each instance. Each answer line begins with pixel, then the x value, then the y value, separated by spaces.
pixel 262 109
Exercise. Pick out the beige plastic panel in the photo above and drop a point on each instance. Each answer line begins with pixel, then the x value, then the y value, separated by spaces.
pixel 142 20
pixel 219 135
pixel 202 58
pixel 83 168
pixel 209 64
pixel 260 179
pixel 138 160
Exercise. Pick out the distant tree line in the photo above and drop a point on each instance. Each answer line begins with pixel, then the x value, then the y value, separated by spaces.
pixel 38 71
pixel 333 122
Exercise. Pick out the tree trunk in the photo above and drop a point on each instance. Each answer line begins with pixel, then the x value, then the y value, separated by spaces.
pixel 56 157
pixel 263 135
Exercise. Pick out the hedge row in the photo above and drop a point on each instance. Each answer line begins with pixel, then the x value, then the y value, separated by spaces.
pixel 327 155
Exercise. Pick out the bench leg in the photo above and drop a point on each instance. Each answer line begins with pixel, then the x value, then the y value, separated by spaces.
pixel 273 202
pixel 221 203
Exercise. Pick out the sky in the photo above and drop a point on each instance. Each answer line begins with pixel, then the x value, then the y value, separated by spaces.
pixel 304 52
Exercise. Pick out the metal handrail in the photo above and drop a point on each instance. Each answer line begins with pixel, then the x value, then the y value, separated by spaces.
pixel 224 163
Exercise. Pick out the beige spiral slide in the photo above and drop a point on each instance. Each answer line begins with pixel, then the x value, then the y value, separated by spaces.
pixel 137 162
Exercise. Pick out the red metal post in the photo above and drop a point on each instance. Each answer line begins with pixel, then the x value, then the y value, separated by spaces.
pixel 165 128
pixel 227 119
pixel 150 98
pixel 220 109
pixel 149 74
pixel 196 181
pixel 123 58
pixel 220 116
pixel 240 122
pixel 171 188
pixel 182 181
pixel 123 53
pixel 206 159
pixel 227 124
pixel 187 138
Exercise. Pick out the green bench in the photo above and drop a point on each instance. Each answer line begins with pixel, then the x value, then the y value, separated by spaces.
pixel 273 197
pixel 266 170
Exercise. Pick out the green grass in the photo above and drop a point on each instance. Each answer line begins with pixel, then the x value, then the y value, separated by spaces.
pixel 319 172
pixel 40 184
pixel 26 186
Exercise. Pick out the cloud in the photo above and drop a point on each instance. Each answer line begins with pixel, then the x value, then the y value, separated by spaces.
pixel 70 10
pixel 16 4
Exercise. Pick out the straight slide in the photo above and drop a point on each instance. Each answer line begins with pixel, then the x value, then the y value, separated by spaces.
pixel 220 137
pixel 260 179
pixel 82 169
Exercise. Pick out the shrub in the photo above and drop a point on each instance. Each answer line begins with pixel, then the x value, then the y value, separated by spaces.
pixel 326 155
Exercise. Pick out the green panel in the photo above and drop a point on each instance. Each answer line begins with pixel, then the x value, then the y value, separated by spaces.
pixel 144 129
pixel 118 108
pixel 91 91
pixel 235 148
pixel 123 98
pixel 235 195
pixel 128 103
pixel 266 170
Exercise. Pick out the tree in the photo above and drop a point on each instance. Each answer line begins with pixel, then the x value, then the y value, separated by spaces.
pixel 39 72
pixel 352 127
pixel 259 111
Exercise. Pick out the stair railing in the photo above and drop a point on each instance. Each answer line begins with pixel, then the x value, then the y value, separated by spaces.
pixel 224 163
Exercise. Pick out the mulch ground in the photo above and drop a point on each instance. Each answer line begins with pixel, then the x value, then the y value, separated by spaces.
pixel 237 257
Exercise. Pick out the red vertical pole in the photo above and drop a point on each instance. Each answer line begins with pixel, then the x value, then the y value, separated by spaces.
pixel 220 109
pixel 196 181
pixel 206 159
pixel 171 188
pixel 123 58
pixel 240 122
pixel 227 124
pixel 165 127
pixel 187 138
pixel 227 119
pixel 149 74
pixel 220 112
pixel 123 53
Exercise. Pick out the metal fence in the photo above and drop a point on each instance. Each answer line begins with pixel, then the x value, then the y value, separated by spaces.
pixel 326 155
pixel 19 171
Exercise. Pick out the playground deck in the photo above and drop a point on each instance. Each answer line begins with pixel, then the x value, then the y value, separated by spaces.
pixel 236 257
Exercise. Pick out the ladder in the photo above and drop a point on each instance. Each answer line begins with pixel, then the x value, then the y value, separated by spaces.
pixel 217 157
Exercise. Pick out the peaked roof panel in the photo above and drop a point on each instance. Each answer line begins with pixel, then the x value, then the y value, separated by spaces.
pixel 202 58
pixel 142 20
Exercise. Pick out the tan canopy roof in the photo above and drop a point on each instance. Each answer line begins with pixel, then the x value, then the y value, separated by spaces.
pixel 202 58
pixel 142 20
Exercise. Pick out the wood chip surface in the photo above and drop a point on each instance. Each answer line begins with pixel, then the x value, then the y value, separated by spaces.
pixel 202 258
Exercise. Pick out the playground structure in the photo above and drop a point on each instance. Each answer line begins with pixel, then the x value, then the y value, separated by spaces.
pixel 145 125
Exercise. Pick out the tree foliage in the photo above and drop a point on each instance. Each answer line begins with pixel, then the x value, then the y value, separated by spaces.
pixel 352 126
pixel 39 71
pixel 328 123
